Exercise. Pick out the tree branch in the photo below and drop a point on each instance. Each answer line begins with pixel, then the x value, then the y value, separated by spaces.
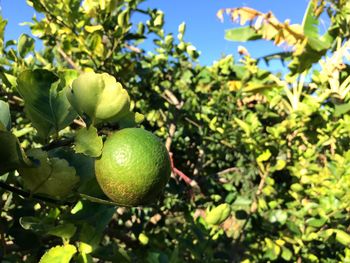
pixel 168 141
pixel 68 59
pixel 25 194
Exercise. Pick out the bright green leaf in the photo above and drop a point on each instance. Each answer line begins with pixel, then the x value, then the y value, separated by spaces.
pixel 286 254
pixel 92 29
pixel 264 156
pixel 143 239
pixel 242 34
pixel 342 237
pixel 245 127
pixel 59 254
pixel 280 164
pixel 316 222
pixel 218 214
pixel 341 109
pixel 45 102
pixel 310 22
pixel 5 117
pixel 25 45
pixel 88 142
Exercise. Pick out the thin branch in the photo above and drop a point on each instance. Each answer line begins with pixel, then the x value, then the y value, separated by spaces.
pixel 172 130
pixel 133 48
pixel 58 143
pixel 183 176
pixel 25 194
pixel 68 59
pixel 172 99
pixel 192 122
pixel 80 123
pixel 228 170
pixel 61 22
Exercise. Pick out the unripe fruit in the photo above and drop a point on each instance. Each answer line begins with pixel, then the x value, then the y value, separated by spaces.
pixel 134 167
pixel 99 96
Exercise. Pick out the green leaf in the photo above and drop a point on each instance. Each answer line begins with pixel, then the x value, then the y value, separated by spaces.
pixel 45 102
pixel 272 249
pixel 342 237
pixel 280 164
pixel 8 79
pixel 3 24
pixel 278 216
pixel 88 142
pixel 5 116
pixel 341 109
pixel 143 239
pixel 131 119
pixel 310 22
pixel 318 44
pixel 244 126
pixel 316 222
pixel 242 34
pixel 54 176
pixel 218 214
pixel 36 224
pixel 59 254
pixel 65 231
pixel 264 156
pixel 286 254
pixel 242 201
pixel 182 29
pixel 123 18
pixel 12 155
pixel 92 29
pixel 25 45
pixel 84 166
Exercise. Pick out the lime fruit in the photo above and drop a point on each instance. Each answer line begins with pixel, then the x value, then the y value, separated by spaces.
pixel 134 167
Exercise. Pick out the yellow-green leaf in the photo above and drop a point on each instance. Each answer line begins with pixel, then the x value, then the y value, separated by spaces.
pixel 59 254
pixel 218 214
pixel 88 142
pixel 92 29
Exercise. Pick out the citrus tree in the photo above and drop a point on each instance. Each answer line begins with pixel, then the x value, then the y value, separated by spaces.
pixel 259 161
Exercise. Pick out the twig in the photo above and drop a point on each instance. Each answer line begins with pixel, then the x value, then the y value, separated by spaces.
pixel 23 193
pixel 187 180
pixel 168 141
pixel 3 243
pixel 68 59
pixel 133 48
pixel 61 22
pixel 261 186
pixel 192 122
pixel 228 170
pixel 169 96
pixel 216 176
pixel 80 123
pixel 59 143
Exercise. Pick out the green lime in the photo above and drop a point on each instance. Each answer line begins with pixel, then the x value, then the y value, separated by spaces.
pixel 134 167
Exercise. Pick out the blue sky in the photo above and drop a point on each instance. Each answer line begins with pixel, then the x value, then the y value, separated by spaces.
pixel 204 30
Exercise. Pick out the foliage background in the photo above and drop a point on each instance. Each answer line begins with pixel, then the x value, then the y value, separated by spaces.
pixel 261 159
